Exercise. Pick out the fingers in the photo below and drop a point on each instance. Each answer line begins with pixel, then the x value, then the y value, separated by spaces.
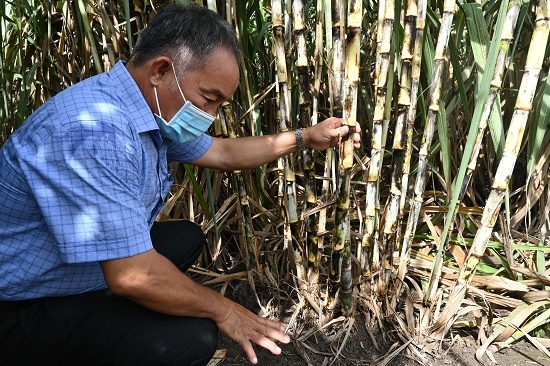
pixel 249 351
pixel 357 137
pixel 246 328
pixel 260 341
pixel 268 344
pixel 275 330
pixel 264 331
pixel 329 133
pixel 344 130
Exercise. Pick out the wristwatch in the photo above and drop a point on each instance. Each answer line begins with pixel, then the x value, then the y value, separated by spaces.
pixel 299 139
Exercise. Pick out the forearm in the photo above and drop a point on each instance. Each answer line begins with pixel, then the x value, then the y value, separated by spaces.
pixel 248 152
pixel 260 150
pixel 154 282
pixel 251 152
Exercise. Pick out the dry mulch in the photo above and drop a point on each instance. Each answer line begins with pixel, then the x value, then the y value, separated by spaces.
pixel 358 349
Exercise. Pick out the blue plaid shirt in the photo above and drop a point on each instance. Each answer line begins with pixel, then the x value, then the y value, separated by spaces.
pixel 82 181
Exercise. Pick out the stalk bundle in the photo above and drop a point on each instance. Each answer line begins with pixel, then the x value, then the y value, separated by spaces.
pixel 411 58
pixel 342 201
pixel 250 245
pixel 288 188
pixel 372 250
pixel 433 112
pixel 341 239
pixel 496 84
pixel 514 138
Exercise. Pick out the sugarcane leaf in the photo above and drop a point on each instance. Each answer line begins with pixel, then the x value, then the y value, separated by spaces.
pixel 464 81
pixel 127 16
pixel 502 259
pixel 84 22
pixel 428 51
pixel 539 125
pixel 211 202
pixel 479 36
pixel 197 190
pixel 25 94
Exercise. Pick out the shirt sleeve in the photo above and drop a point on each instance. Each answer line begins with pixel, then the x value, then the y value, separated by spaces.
pixel 189 151
pixel 86 181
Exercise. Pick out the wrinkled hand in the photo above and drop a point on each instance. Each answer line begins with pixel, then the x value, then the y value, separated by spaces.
pixel 245 327
pixel 328 133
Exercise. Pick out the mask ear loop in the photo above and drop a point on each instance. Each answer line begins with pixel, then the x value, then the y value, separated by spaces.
pixel 157 99
pixel 177 83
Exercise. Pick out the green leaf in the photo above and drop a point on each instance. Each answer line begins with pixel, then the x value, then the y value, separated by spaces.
pixel 197 190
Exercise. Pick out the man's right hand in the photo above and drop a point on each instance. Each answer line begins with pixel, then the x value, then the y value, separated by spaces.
pixel 246 328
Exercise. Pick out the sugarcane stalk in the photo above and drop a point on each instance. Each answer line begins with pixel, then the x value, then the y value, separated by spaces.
pixel 127 15
pixel 392 220
pixel 410 118
pixel 318 55
pixel 351 83
pixel 282 112
pixel 212 5
pixel 496 84
pixel 337 60
pixel 514 137
pixel 325 184
pixel 370 245
pixel 287 185
pixel 246 89
pixel 411 113
pixel 342 201
pixel 318 67
pixel 404 106
pixel 379 36
pixel 304 118
pixel 340 240
pixel 250 245
pixel 283 115
pixel 433 113
pixel 283 103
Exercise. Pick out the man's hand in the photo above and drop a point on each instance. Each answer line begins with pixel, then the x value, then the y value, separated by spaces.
pixel 328 134
pixel 245 327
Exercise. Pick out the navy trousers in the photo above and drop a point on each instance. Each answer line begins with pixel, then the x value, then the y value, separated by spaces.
pixel 100 328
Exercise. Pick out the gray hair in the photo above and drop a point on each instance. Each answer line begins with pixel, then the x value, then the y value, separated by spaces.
pixel 186 34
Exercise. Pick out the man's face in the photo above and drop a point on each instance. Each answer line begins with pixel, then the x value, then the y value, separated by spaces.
pixel 208 86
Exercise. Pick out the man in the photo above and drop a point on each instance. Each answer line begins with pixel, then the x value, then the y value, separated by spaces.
pixel 86 275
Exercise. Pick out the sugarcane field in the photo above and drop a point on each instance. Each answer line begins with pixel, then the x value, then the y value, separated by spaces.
pixel 429 244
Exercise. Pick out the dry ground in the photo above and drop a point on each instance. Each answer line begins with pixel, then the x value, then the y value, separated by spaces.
pixel 359 351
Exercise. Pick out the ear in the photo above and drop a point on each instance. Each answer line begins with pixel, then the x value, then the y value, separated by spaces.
pixel 158 69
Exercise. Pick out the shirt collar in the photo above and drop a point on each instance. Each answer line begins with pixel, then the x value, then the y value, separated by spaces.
pixel 134 101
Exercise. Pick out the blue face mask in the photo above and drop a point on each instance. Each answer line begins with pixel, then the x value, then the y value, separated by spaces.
pixel 188 124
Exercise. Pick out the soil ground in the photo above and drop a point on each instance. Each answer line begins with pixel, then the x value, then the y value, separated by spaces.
pixel 356 353
pixel 358 349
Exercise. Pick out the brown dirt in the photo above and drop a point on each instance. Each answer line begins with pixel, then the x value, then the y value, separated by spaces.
pixel 358 349
pixel 356 353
